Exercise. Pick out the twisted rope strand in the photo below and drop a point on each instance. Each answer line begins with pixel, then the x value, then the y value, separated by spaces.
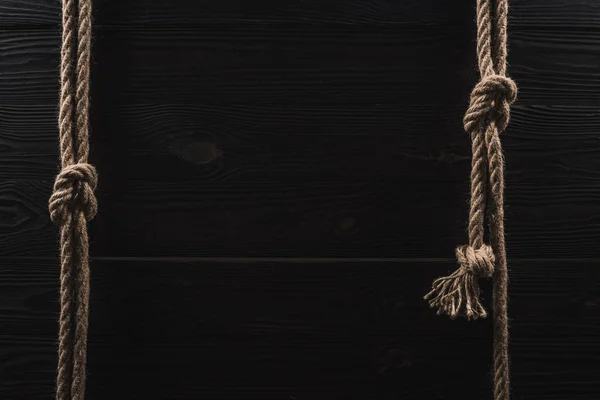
pixel 65 124
pixel 67 80
pixel 487 117
pixel 478 193
pixel 73 202
pixel 65 334
pixel 484 31
pixel 84 34
pixel 500 280
pixel 500 37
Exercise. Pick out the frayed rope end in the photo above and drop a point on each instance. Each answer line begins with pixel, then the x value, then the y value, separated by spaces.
pixel 457 295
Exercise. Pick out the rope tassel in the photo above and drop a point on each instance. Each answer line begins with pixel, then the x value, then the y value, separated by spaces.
pixel 457 295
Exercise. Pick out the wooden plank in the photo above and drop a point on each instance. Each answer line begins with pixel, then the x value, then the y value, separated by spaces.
pixel 29 62
pixel 523 13
pixel 398 201
pixel 554 15
pixel 329 219
pixel 280 187
pixel 276 330
pixel 299 65
pixel 182 142
pixel 302 64
pixel 25 227
pixel 562 74
pixel 280 63
pixel 181 12
pixel 545 218
pixel 404 142
pixel 28 142
pixel 26 13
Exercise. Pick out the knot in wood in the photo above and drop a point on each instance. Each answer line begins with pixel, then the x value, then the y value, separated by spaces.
pixel 490 102
pixel 74 192
pixel 478 262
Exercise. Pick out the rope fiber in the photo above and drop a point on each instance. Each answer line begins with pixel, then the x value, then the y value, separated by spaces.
pixel 73 203
pixel 457 295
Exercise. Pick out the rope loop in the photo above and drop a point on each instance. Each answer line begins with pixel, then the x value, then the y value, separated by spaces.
pixel 73 192
pixel 490 102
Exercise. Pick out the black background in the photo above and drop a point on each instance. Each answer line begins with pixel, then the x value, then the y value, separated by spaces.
pixel 281 180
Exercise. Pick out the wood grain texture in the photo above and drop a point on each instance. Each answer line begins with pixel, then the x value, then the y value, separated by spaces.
pixel 327 128
pixel 299 64
pixel 182 142
pixel 305 330
pixel 301 181
pixel 25 227
pixel 328 219
pixel 335 63
pixel 340 143
pixel 313 219
pixel 524 14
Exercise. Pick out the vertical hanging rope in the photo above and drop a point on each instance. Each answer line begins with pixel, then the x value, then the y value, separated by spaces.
pixel 73 202
pixel 487 116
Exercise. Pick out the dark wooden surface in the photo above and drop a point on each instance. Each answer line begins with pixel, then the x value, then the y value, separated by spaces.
pixel 236 329
pixel 279 183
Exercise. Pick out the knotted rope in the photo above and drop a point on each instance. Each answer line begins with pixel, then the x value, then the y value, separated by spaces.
pixel 487 116
pixel 73 202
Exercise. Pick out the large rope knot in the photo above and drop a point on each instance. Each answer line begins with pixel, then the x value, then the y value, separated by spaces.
pixel 478 262
pixel 74 192
pixel 490 102
pixel 457 295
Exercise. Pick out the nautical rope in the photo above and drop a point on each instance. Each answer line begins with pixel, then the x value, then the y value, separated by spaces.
pixel 73 202
pixel 487 116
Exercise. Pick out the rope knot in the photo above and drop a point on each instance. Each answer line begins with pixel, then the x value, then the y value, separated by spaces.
pixel 490 101
pixel 74 192
pixel 478 262
pixel 457 295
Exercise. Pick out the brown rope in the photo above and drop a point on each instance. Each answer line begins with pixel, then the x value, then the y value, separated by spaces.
pixel 487 116
pixel 73 202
